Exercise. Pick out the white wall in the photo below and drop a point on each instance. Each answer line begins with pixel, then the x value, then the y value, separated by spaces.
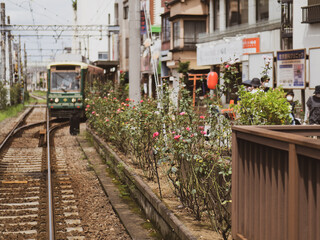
pixel 274 10
pixel 95 12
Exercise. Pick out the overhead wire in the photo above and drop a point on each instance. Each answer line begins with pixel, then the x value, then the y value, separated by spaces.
pixel 36 13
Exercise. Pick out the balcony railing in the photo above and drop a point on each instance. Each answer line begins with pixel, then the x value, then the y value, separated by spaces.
pixel 185 43
pixel 311 14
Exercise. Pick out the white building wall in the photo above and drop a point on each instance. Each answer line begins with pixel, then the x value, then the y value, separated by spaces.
pixel 304 35
pixel 95 12
pixel 158 11
pixel 274 10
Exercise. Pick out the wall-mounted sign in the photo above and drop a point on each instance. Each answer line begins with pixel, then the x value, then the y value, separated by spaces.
pixel 217 52
pixel 291 69
pixel 251 45
pixel 314 69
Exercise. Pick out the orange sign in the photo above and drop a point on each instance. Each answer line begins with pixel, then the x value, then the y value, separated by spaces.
pixel 251 45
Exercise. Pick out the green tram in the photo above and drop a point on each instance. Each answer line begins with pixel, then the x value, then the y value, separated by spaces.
pixel 67 82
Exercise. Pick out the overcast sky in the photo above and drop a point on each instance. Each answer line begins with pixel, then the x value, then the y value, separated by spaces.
pixel 40 12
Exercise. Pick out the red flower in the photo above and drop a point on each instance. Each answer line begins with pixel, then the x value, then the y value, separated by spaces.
pixel 156 134
pixel 177 137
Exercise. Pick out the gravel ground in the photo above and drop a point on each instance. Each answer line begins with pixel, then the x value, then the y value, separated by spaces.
pixel 98 219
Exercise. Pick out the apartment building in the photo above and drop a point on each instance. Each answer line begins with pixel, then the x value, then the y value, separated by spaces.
pixel 150 29
pixel 182 23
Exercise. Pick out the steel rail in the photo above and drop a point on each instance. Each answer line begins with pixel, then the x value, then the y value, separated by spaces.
pixel 12 132
pixel 50 195
pixel 50 207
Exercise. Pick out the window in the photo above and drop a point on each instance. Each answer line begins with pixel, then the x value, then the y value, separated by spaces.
pixel 127 48
pixel 125 12
pixel 191 32
pixel 237 12
pixel 176 34
pixel 103 55
pixel 216 14
pixel 166 29
pixel 262 9
pixel 65 81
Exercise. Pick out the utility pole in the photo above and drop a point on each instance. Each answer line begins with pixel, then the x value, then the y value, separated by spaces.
pixel 109 35
pixel 19 60
pixel 134 50
pixel 25 69
pixel 10 55
pixel 3 42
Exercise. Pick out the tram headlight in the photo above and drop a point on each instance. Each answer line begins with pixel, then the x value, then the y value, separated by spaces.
pixel 74 100
pixel 56 100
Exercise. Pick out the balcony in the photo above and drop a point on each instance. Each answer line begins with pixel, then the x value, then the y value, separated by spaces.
pixel 311 14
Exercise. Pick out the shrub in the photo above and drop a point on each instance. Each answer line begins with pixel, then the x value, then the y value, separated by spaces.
pixel 3 96
pixel 15 94
pixel 263 108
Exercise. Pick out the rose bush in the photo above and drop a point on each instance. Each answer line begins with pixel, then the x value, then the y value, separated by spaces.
pixel 192 148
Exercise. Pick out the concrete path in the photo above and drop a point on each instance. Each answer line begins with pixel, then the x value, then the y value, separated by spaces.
pixel 132 221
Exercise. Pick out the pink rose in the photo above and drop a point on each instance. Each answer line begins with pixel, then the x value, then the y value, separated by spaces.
pixel 227 66
pixel 201 127
pixel 93 112
pixel 88 106
pixel 177 137
pixel 141 101
pixel 156 134
pixel 203 132
pixel 187 128
pixel 182 113
pixel 202 117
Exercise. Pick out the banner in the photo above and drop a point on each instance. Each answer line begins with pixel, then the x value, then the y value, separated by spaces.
pixel 291 69
pixel 143 25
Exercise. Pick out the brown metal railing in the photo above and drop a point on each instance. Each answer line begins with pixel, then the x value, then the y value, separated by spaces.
pixel 276 182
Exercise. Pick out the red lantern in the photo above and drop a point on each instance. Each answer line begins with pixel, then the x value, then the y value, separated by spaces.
pixel 212 80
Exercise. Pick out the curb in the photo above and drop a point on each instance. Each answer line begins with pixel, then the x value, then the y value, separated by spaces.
pixel 166 222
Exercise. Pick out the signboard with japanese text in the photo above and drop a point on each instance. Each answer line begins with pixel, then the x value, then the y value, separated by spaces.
pixel 251 45
pixel 230 49
pixel 314 69
pixel 261 64
pixel 291 69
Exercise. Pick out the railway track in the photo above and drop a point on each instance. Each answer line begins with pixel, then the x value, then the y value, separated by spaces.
pixel 30 208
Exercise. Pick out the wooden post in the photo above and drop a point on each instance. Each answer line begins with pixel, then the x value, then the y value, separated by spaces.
pixel 293 204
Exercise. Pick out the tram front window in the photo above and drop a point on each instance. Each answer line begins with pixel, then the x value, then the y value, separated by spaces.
pixel 65 81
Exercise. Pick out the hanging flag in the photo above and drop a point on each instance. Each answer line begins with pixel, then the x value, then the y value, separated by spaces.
pixel 143 25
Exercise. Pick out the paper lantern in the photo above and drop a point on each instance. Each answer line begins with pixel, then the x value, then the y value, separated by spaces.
pixel 212 80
